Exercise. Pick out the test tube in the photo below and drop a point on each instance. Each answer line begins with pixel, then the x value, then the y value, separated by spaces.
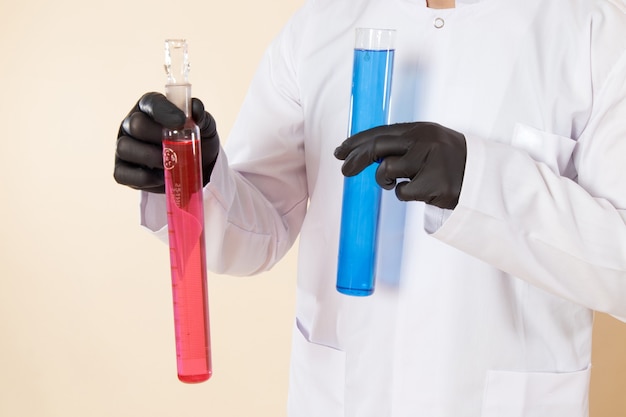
pixel 182 161
pixel 369 107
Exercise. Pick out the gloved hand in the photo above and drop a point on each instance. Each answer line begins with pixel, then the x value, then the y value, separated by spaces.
pixel 139 154
pixel 431 157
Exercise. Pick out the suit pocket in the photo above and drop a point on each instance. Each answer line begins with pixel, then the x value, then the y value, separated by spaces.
pixel 317 378
pixel 548 148
pixel 536 394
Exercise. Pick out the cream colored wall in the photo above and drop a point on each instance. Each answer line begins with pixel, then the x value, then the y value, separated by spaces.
pixel 85 306
pixel 86 327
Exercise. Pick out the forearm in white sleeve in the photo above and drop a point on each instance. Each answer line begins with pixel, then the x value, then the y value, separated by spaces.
pixel 256 199
pixel 568 237
pixel 552 210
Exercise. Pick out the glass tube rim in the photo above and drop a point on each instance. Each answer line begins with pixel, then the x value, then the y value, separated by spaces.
pixel 375 39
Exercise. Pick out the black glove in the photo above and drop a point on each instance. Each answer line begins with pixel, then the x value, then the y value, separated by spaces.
pixel 430 156
pixel 139 153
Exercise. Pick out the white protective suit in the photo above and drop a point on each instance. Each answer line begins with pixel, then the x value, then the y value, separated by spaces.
pixel 485 310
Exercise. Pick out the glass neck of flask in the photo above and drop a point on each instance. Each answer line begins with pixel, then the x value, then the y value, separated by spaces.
pixel 180 95
pixel 178 88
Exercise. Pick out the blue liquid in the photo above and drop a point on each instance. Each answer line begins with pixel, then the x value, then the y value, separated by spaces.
pixel 371 89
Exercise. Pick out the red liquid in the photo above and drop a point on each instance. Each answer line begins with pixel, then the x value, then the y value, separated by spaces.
pixel 183 187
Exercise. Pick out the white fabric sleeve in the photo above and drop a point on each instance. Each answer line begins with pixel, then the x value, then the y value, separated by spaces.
pixel 256 199
pixel 519 211
pixel 552 210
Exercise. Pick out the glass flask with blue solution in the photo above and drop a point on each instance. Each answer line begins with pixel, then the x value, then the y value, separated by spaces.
pixel 369 107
